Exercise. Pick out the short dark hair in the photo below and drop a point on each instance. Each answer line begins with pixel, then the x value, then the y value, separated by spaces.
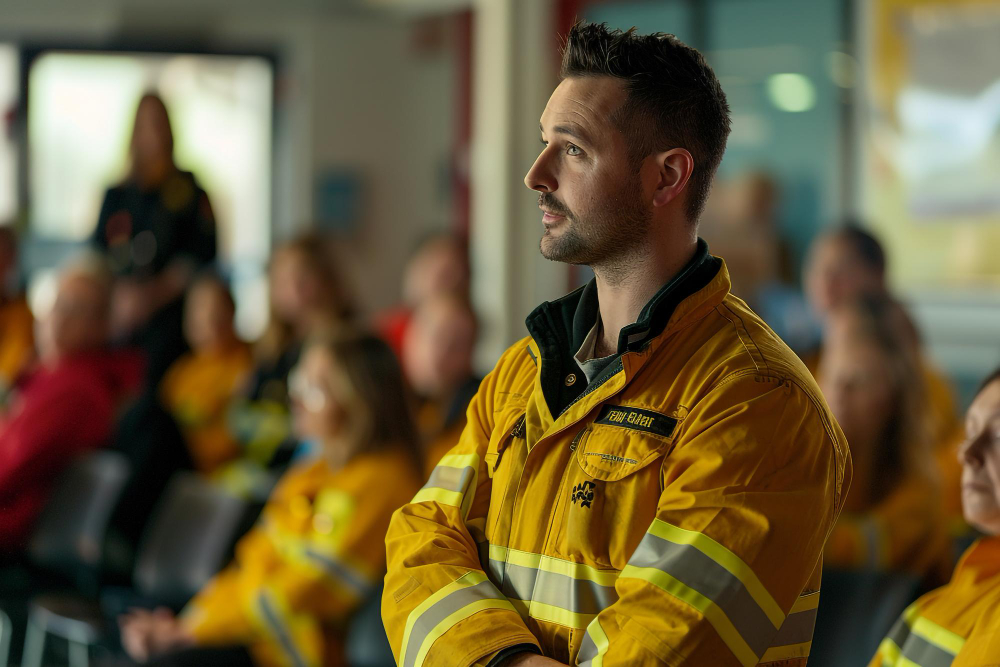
pixel 864 244
pixel 673 98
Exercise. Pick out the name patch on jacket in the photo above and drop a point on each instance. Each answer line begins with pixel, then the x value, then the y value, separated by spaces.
pixel 637 418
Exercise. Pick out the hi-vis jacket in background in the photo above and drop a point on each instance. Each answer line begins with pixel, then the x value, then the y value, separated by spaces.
pixel 313 557
pixel 673 510
pixel 957 624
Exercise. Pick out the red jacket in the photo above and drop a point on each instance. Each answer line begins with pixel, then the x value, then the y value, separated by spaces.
pixel 60 412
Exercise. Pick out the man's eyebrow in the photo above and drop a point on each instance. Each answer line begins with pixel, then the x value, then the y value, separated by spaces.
pixel 569 130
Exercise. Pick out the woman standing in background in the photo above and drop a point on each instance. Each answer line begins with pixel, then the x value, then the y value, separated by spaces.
pixel 157 230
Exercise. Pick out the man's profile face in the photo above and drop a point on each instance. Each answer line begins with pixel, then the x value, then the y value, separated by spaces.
pixel 590 192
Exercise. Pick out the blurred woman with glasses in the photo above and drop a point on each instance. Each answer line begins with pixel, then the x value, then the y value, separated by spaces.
pixel 318 550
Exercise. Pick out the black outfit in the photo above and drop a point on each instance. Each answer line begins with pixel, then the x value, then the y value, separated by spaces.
pixel 142 232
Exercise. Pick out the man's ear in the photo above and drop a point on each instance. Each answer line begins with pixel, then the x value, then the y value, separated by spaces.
pixel 674 171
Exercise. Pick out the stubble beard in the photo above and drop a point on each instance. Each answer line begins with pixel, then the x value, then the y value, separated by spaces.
pixel 609 239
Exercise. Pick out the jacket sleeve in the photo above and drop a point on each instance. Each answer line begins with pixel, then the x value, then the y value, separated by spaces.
pixel 750 492
pixel 285 588
pixel 438 606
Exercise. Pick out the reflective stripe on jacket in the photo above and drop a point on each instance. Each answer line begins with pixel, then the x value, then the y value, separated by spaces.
pixel 957 624
pixel 313 557
pixel 672 511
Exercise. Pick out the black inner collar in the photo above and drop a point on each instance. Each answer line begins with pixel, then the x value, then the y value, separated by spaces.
pixel 559 328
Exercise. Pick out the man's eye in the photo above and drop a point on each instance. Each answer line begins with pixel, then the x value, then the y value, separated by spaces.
pixel 573 150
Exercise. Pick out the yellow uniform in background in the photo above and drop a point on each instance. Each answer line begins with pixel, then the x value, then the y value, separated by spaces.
pixel 673 512
pixel 197 390
pixel 958 624
pixel 317 552
pixel 906 532
pixel 17 340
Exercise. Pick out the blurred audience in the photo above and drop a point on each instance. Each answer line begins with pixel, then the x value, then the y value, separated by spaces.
pixel 439 265
pixel 960 623
pixel 741 225
pixel 892 519
pixel 437 354
pixel 848 263
pixel 198 388
pixel 67 405
pixel 307 296
pixel 318 550
pixel 17 326
pixel 157 230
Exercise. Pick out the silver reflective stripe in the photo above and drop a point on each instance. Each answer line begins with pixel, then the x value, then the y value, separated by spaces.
pixel 280 631
pixel 440 610
pixel 449 478
pixel 925 654
pixel 899 632
pixel 797 628
pixel 580 596
pixel 335 569
pixel 697 571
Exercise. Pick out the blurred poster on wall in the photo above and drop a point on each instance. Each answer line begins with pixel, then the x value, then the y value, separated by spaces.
pixel 932 139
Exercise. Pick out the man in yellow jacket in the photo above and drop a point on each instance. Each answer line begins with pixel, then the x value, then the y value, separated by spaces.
pixel 650 477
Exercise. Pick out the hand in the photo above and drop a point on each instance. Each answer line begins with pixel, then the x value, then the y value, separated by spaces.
pixel 532 660
pixel 146 634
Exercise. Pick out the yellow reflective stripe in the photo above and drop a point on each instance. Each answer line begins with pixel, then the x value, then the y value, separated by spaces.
pixel 474 577
pixel 455 498
pixel 467 595
pixel 889 652
pixel 595 645
pixel 450 621
pixel 805 603
pixel 940 637
pixel 552 614
pixel 554 565
pixel 711 611
pixel 443 496
pixel 726 559
pixel 786 652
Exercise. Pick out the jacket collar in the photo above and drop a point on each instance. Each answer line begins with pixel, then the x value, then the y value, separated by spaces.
pixel 559 327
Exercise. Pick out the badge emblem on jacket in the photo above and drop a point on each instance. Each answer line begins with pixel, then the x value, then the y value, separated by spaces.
pixel 584 492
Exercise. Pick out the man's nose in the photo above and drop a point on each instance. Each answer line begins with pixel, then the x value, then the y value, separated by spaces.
pixel 540 177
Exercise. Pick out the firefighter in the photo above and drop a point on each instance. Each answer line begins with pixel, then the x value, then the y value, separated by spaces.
pixel 651 475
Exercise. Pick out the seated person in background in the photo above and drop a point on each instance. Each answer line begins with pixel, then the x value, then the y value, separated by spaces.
pixel 306 296
pixel 198 389
pixel 439 265
pixel 17 326
pixel 437 351
pixel 846 264
pixel 67 405
pixel 318 550
pixel 959 624
pixel 892 518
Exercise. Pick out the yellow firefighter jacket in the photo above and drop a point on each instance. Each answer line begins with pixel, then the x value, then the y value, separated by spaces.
pixel 315 554
pixel 673 510
pixel 957 624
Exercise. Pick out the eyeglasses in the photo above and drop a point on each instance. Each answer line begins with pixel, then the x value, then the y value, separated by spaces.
pixel 314 397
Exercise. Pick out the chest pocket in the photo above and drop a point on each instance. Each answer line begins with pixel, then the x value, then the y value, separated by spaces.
pixel 623 440
pixel 611 493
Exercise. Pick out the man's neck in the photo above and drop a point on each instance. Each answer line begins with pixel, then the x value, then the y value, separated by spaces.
pixel 622 299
